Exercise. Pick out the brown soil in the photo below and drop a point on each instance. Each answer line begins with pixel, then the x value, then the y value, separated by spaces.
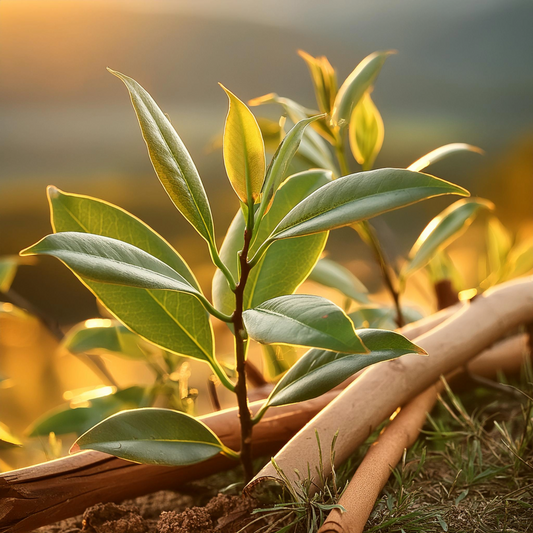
pixel 162 512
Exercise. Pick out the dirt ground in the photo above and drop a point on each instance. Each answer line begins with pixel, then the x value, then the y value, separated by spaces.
pixel 161 512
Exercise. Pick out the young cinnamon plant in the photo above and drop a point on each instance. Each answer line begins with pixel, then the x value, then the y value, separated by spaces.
pixel 270 248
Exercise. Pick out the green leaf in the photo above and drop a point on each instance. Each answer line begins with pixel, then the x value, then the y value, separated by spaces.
pixel 8 269
pixel 355 86
pixel 171 160
pixel 312 146
pixel 80 415
pixel 331 274
pixel 440 153
pixel 277 170
pixel 103 335
pixel 175 321
pixel 366 132
pixel 108 260
pixel 244 151
pixel 294 259
pixel 153 436
pixel 442 230
pixel 324 80
pixel 358 197
pixel 277 359
pixel 319 371
pixel 7 440
pixel 303 320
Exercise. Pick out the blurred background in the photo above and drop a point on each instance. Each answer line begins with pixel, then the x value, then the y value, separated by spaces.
pixel 463 73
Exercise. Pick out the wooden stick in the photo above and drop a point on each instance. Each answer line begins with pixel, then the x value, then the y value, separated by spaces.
pixel 378 392
pixel 368 481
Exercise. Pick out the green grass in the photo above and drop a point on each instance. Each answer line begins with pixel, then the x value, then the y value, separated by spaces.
pixel 470 471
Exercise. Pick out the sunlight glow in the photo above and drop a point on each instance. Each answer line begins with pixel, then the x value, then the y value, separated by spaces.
pixel 78 399
pixel 98 323
pixel 467 294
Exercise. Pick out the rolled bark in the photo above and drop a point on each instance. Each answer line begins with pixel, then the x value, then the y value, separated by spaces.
pixel 372 474
pixel 381 389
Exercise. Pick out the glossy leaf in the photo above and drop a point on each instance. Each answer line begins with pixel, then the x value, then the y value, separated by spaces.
pixel 302 320
pixel 7 440
pixel 175 321
pixel 358 197
pixel 355 86
pixel 286 264
pixel 244 151
pixel 331 274
pixel 153 436
pixel 277 170
pixel 324 80
pixel 319 371
pixel 78 416
pixel 366 132
pixel 313 146
pixel 109 260
pixel 103 335
pixel 442 230
pixel 171 160
pixel 441 153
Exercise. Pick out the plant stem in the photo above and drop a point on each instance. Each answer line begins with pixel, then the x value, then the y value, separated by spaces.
pixel 371 239
pixel 220 264
pixel 241 347
pixel 341 158
pixel 374 243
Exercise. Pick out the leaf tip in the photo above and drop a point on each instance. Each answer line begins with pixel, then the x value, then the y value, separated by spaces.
pixel 53 192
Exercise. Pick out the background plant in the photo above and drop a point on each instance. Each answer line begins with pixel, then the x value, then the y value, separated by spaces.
pixel 354 124
pixel 271 246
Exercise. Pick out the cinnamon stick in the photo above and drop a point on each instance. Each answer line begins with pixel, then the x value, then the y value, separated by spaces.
pixel 377 393
pixel 372 474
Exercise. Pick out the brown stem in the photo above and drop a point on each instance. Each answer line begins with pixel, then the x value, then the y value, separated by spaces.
pixel 374 243
pixel 240 356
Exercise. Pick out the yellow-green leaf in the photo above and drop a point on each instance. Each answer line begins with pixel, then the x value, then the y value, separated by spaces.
pixel 244 151
pixel 442 152
pixel 366 132
pixel 324 80
pixel 442 230
pixel 355 86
